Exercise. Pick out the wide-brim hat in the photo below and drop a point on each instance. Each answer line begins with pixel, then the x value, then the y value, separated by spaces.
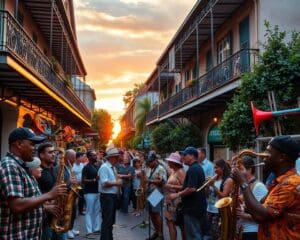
pixel 175 158
pixel 112 152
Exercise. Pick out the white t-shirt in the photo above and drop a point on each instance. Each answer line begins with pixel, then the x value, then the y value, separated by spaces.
pixel 213 197
pixel 77 169
pixel 259 191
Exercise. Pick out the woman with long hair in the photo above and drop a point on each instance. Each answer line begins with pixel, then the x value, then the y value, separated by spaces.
pixel 219 188
pixel 173 185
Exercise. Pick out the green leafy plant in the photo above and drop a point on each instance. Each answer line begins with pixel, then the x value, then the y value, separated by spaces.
pixel 278 70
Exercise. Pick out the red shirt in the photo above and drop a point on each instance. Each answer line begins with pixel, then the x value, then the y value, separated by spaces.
pixel 283 204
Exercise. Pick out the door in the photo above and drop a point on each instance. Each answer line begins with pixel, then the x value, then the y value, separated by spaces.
pixel 244 44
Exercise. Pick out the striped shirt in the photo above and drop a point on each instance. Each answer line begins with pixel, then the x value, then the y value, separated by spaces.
pixel 17 183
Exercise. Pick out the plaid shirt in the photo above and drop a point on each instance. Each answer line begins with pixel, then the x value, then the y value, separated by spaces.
pixel 17 183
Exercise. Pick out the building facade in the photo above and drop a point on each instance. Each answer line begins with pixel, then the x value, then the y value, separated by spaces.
pixel 38 57
pixel 199 71
pixel 84 92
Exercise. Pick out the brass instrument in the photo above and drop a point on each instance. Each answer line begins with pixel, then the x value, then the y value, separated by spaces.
pixel 62 223
pixel 227 206
pixel 140 193
pixel 207 183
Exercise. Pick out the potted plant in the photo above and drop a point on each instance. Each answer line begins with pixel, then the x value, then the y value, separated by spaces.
pixel 191 82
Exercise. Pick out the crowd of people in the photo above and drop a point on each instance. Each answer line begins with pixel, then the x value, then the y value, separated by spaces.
pixel 37 179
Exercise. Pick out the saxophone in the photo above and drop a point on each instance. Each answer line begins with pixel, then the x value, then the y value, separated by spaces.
pixel 228 205
pixel 140 193
pixel 62 223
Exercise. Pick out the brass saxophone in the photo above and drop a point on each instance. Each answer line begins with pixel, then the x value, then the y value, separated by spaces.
pixel 140 193
pixel 228 205
pixel 62 223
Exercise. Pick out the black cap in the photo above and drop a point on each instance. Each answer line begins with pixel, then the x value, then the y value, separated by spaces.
pixel 151 156
pixel 287 145
pixel 190 150
pixel 24 133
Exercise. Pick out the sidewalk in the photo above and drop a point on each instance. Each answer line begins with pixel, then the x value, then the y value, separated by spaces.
pixel 122 229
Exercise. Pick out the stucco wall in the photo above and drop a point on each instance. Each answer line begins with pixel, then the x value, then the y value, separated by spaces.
pixel 9 122
pixel 284 13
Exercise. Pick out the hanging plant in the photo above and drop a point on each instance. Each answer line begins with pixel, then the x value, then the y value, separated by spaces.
pixel 54 64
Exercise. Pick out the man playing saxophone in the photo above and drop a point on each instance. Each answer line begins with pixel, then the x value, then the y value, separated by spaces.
pixel 21 202
pixel 279 213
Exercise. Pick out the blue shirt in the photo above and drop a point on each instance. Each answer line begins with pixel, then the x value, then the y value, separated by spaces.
pixel 208 168
pixel 298 165
pixel 107 173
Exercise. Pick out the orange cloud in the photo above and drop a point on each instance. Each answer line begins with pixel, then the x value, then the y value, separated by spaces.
pixel 121 40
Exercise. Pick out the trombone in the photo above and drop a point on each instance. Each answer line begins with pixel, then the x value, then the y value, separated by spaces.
pixel 207 183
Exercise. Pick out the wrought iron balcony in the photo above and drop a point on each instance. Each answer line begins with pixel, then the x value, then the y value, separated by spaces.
pixel 14 41
pixel 225 72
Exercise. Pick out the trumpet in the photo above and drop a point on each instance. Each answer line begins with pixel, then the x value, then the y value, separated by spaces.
pixel 207 182
pixel 258 164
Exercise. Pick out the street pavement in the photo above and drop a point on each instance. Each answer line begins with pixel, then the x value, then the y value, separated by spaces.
pixel 127 227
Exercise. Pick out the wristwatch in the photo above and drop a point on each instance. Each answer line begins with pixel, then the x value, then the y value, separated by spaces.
pixel 244 186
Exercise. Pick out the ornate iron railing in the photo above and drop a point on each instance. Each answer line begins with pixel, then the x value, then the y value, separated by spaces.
pixel 16 42
pixel 225 72
pixel 152 114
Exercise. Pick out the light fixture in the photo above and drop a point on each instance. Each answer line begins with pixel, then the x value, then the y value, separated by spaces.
pixel 215 119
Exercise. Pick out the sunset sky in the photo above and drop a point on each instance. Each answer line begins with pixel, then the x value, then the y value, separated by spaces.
pixel 120 42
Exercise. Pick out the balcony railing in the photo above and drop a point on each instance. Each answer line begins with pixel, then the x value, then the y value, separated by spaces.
pixel 225 72
pixel 15 41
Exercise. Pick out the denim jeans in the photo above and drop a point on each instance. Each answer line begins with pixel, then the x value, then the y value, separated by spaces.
pixel 92 212
pixel 192 227
pixel 108 206
pixel 126 192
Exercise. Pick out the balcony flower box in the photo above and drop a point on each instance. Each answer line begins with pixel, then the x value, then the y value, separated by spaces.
pixel 191 82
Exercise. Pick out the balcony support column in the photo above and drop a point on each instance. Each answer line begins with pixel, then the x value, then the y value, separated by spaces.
pixel 16 8
pixel 197 56
pixel 158 72
pixel 212 38
pixel 62 48
pixel 51 26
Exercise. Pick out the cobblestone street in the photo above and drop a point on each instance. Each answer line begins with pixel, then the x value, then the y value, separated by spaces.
pixel 127 227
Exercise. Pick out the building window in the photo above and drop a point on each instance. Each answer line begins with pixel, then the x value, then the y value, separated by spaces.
pixel 224 48
pixel 177 87
pixel 187 75
pixel 195 71
pixel 209 64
